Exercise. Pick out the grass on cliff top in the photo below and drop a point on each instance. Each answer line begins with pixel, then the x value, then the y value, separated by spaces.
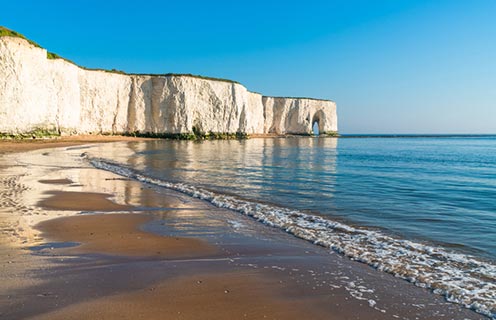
pixel 197 76
pixel 194 76
pixel 50 55
pixel 6 32
pixel 300 98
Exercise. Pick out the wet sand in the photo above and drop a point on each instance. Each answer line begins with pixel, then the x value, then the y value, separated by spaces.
pixel 23 145
pixel 159 254
pixel 80 201
pixel 56 181
pixel 119 234
pixel 219 296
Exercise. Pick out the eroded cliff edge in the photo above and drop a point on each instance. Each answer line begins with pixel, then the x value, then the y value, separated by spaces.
pixel 54 94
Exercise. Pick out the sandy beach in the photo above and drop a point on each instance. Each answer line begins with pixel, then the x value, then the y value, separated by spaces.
pixel 79 243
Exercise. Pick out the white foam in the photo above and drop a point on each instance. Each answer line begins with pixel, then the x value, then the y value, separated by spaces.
pixel 236 224
pixel 461 278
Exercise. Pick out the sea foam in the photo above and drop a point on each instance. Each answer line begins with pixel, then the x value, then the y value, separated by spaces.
pixel 460 278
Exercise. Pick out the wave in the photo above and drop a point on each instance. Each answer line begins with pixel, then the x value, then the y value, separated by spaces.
pixel 460 278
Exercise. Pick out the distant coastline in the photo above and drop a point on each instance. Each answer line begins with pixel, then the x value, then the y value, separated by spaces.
pixel 418 135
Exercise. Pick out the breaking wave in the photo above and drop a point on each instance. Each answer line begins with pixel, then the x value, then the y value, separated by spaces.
pixel 460 278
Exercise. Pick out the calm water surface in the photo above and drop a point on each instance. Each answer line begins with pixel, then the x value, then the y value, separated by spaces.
pixel 441 189
pixel 423 208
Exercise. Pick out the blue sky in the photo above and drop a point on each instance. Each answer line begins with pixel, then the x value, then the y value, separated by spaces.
pixel 392 66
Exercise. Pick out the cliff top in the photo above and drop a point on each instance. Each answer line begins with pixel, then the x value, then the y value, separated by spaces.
pixel 6 32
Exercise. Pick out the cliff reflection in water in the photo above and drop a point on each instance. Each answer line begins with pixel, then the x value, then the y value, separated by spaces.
pixel 289 171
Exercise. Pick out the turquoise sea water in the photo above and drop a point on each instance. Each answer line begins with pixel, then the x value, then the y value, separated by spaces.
pixel 423 208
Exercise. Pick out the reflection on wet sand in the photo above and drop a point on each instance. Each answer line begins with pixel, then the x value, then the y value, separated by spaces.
pixel 253 272
pixel 119 234
pixel 80 201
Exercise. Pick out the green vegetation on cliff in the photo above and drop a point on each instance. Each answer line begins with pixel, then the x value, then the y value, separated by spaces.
pixel 329 134
pixel 39 133
pixel 5 32
pixel 195 135
pixel 50 55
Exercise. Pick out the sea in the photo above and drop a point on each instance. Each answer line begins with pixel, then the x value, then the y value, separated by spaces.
pixel 422 208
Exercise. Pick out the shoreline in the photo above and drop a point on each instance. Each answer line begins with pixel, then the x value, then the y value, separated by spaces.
pixel 11 145
pixel 24 145
pixel 255 270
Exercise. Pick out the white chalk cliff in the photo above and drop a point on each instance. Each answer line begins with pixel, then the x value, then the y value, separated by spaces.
pixel 54 94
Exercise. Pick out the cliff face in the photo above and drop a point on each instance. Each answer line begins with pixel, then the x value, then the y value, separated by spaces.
pixel 41 93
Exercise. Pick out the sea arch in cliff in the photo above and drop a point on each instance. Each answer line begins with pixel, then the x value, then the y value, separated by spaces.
pixel 318 125
pixel 44 93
